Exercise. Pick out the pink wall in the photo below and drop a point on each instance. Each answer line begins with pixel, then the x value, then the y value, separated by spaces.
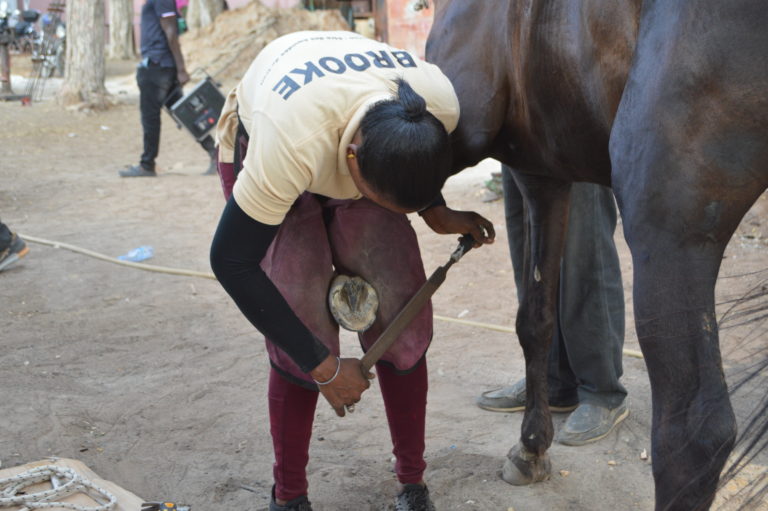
pixel 40 5
pixel 280 3
pixel 408 29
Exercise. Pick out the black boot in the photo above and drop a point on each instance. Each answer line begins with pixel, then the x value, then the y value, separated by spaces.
pixel 414 497
pixel 298 504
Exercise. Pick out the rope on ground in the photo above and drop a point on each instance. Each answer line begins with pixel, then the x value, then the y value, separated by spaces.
pixel 487 326
pixel 64 481
pixel 511 330
pixel 190 273
pixel 140 266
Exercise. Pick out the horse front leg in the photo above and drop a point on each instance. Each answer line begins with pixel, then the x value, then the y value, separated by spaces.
pixel 546 203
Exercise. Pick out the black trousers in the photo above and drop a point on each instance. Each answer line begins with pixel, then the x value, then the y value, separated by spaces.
pixel 158 86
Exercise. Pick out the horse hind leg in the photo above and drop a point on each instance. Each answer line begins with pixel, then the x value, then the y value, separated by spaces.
pixel 678 218
pixel 686 167
pixel 546 203
pixel 693 427
pixel 677 228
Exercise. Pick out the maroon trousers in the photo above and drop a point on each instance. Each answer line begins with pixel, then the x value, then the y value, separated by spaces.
pixel 292 410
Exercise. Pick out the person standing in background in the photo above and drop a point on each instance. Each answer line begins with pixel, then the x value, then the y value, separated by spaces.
pixel 160 76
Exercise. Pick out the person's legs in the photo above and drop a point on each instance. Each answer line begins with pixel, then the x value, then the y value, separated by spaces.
pixel 291 413
pixel 591 318
pixel 405 401
pixel 562 382
pixel 209 146
pixel 298 262
pixel 514 216
pixel 592 296
pixel 155 84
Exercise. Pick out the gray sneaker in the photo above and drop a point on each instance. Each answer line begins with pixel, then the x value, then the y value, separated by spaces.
pixel 512 399
pixel 591 422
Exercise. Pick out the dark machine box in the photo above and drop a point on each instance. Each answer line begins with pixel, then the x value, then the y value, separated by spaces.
pixel 199 110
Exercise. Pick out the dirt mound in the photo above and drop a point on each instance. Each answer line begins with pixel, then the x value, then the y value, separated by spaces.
pixel 227 47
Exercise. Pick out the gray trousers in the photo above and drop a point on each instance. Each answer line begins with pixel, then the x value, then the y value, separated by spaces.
pixel 585 359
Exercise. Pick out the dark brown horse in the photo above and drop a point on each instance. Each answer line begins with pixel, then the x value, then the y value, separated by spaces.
pixel 665 101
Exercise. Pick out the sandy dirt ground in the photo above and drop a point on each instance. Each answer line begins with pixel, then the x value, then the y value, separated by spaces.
pixel 157 383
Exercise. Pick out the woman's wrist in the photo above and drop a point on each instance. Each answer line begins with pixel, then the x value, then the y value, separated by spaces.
pixel 438 201
pixel 327 371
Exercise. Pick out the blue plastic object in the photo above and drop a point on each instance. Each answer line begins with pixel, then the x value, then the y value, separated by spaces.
pixel 138 254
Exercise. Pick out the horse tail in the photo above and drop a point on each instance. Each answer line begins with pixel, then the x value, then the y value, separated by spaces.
pixel 744 482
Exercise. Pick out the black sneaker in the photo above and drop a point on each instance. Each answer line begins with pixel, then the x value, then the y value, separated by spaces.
pixel 298 504
pixel 15 251
pixel 414 497
pixel 137 171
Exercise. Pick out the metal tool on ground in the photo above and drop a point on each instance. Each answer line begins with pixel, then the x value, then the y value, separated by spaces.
pixel 164 506
pixel 414 305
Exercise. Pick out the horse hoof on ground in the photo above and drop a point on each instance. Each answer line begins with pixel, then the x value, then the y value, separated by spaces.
pixel 522 467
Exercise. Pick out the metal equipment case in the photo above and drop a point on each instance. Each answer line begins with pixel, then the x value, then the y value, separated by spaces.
pixel 199 110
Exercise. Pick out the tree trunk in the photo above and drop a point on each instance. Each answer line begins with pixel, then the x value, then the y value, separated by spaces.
pixel 201 13
pixel 85 70
pixel 121 44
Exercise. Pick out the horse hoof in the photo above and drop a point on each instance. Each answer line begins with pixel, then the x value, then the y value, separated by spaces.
pixel 522 467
